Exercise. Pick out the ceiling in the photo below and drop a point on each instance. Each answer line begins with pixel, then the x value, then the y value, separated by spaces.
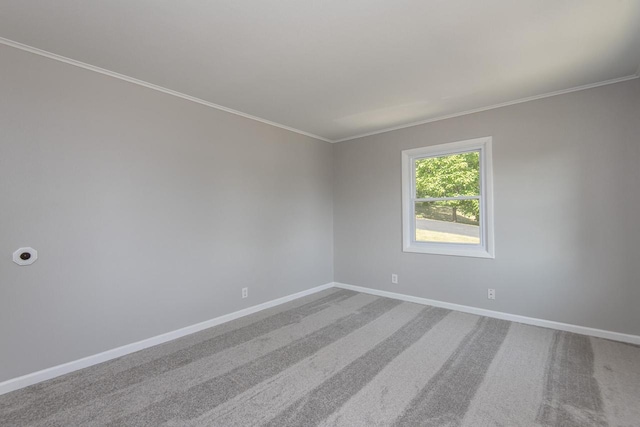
pixel 338 69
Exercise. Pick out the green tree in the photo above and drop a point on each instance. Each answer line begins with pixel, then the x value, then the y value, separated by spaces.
pixel 451 176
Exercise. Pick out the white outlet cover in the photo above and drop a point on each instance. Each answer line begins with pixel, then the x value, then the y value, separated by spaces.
pixel 33 256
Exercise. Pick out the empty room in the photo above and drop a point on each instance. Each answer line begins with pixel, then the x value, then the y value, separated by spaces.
pixel 320 213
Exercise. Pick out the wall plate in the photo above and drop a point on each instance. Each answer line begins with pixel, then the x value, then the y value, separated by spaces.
pixel 25 256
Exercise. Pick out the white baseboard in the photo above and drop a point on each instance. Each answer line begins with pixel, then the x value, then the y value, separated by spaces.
pixel 583 330
pixel 55 371
pixel 65 368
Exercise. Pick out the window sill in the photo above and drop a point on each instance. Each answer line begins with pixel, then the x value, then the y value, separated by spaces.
pixel 447 249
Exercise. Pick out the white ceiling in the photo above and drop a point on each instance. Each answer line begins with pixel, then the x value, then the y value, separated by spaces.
pixel 342 68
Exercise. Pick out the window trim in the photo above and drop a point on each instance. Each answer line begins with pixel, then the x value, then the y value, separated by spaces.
pixel 486 247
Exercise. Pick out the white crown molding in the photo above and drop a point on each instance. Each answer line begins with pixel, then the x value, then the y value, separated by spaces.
pixel 492 107
pixel 65 368
pixel 583 330
pixel 148 85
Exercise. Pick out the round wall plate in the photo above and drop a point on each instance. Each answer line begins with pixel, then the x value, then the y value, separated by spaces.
pixel 25 256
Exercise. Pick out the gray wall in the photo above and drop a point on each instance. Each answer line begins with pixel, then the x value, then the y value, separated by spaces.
pixel 149 212
pixel 567 206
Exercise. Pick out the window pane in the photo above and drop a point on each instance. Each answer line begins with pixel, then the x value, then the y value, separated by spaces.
pixel 455 221
pixel 448 176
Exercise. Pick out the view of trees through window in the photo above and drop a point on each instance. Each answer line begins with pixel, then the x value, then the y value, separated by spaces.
pixel 447 198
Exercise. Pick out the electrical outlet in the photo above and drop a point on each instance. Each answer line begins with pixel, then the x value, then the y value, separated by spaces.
pixel 245 292
pixel 394 279
pixel 491 294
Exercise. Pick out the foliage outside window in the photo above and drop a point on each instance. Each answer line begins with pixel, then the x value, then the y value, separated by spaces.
pixel 447 199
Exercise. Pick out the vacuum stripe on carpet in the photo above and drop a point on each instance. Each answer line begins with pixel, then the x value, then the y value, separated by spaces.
pixel 333 393
pixel 209 394
pixel 385 397
pixel 513 386
pixel 266 400
pixel 571 395
pixel 446 397
pixel 50 404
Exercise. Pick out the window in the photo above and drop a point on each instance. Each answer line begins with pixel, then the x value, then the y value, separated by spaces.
pixel 447 199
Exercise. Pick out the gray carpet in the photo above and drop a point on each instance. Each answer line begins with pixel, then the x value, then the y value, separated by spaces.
pixel 341 358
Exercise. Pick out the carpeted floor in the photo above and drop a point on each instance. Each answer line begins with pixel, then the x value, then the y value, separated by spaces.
pixel 341 358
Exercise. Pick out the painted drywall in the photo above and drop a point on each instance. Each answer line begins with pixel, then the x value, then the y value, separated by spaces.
pixel 149 212
pixel 567 205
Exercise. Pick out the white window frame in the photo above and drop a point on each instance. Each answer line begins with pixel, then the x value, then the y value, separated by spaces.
pixel 486 247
